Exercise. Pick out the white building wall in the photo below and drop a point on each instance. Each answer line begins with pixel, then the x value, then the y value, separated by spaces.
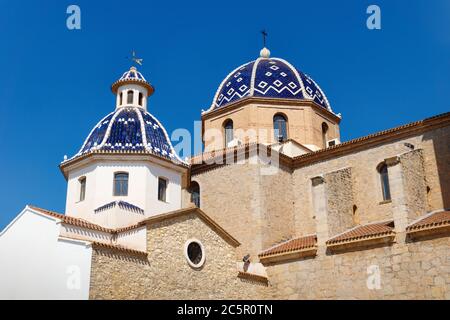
pixel 36 264
pixel 142 188
pixel 134 239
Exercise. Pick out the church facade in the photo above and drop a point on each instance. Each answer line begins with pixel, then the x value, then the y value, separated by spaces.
pixel 276 207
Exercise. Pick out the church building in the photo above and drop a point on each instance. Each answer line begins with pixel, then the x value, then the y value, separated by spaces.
pixel 275 207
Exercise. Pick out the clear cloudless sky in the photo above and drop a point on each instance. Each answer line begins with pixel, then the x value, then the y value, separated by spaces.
pixel 55 83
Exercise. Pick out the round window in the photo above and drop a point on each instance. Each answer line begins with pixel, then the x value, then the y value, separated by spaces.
pixel 195 253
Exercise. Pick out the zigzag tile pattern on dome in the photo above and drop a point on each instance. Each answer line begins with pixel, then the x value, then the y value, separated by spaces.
pixel 130 129
pixel 313 90
pixel 236 85
pixel 268 78
pixel 274 78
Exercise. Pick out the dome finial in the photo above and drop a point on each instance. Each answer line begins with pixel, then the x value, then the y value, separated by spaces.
pixel 264 53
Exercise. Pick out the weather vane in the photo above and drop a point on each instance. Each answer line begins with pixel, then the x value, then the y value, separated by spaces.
pixel 264 34
pixel 136 59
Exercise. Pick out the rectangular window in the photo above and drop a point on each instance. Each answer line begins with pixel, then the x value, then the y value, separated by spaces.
pixel 82 188
pixel 121 184
pixel 130 97
pixel 162 189
pixel 385 182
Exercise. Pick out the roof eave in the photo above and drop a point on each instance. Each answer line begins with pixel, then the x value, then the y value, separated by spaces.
pixel 288 255
pixel 361 241
pixel 68 165
pixel 274 101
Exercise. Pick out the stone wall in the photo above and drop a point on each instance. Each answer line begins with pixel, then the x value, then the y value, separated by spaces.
pixel 277 207
pixel 419 182
pixel 165 273
pixel 253 206
pixel 419 171
pixel 414 183
pixel 339 198
pixel 436 158
pixel 416 270
pixel 238 193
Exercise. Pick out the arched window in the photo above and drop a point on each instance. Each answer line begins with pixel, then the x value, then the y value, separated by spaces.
pixel 355 215
pixel 82 182
pixel 384 178
pixel 195 193
pixel 280 127
pixel 120 184
pixel 324 134
pixel 228 131
pixel 162 189
pixel 141 97
pixel 120 98
pixel 130 97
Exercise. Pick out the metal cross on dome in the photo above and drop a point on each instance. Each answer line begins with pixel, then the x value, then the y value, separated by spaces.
pixel 264 34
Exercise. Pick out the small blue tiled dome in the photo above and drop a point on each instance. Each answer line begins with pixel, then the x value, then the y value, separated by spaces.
pixel 134 77
pixel 130 129
pixel 269 78
pixel 132 74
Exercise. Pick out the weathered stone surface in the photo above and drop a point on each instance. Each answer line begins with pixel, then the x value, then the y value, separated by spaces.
pixel 166 274
pixel 345 276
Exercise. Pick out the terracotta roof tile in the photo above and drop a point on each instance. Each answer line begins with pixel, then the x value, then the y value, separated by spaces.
pixel 71 220
pixel 305 242
pixel 253 277
pixel 368 231
pixel 430 221
pixel 101 245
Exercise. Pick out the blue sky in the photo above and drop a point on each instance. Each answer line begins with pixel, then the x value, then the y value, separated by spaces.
pixel 55 83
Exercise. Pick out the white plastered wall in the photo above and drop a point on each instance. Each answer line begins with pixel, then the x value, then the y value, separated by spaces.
pixel 142 188
pixel 37 264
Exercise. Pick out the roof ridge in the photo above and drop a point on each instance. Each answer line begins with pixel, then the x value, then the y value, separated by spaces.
pixel 69 219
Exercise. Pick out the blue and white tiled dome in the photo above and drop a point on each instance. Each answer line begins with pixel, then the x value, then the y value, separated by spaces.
pixel 269 78
pixel 130 129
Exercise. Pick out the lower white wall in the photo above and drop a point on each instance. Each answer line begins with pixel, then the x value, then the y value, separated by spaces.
pixel 36 264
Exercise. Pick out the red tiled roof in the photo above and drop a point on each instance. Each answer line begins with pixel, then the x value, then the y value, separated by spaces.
pixel 430 221
pixel 71 220
pixel 306 242
pixel 101 245
pixel 368 231
pixel 253 277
